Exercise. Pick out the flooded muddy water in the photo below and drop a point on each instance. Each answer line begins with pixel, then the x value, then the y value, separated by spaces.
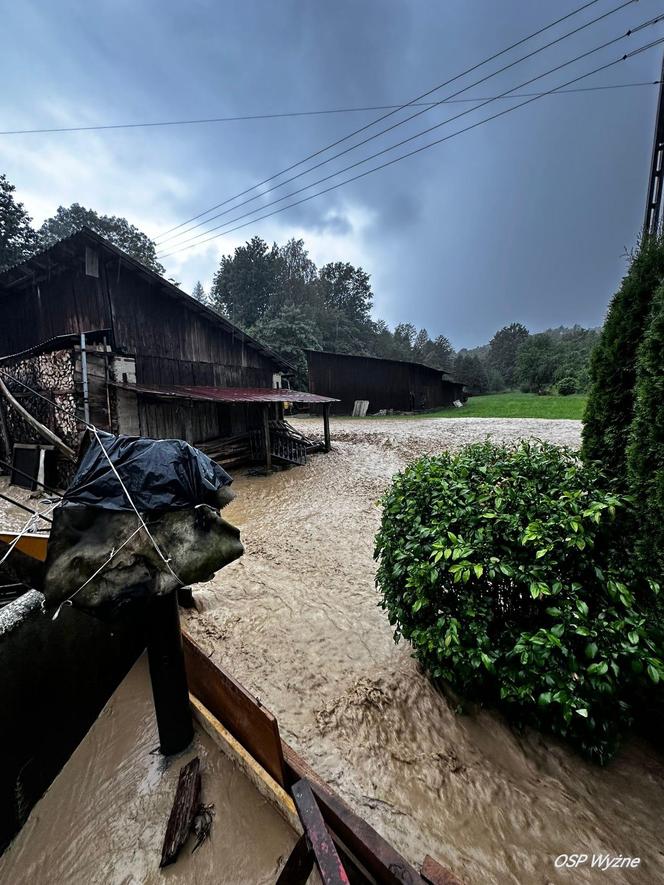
pixel 296 620
pixel 102 822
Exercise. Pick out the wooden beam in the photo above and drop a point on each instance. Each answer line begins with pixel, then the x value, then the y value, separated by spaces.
pixel 326 426
pixel 4 433
pixel 329 865
pixel 253 770
pixel 242 714
pixel 266 437
pixel 299 865
pixel 373 852
pixel 168 675
pixel 186 802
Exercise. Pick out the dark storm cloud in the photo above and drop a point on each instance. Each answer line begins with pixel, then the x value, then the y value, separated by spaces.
pixel 526 218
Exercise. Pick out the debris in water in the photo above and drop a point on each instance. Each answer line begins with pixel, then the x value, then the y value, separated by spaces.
pixel 202 824
pixel 185 807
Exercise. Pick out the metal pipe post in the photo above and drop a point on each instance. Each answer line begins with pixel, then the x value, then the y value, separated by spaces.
pixel 84 374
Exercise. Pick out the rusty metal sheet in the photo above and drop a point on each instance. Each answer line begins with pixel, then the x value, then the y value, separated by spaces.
pixel 229 394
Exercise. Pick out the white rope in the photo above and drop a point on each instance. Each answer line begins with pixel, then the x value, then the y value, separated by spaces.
pixel 112 466
pixel 114 552
pixel 167 562
pixel 30 524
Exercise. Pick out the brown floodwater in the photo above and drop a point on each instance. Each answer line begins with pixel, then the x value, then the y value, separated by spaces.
pixel 102 822
pixel 296 620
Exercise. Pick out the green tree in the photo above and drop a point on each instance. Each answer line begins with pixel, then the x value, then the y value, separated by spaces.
pixel 645 452
pixel 245 285
pixel 289 331
pixel 199 293
pixel 536 363
pixel 437 353
pixel 18 240
pixel 470 371
pixel 346 289
pixel 504 348
pixel 404 338
pixel 118 230
pixel 297 274
pixel 610 407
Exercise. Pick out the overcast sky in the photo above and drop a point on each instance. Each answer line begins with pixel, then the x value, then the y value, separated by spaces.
pixel 524 218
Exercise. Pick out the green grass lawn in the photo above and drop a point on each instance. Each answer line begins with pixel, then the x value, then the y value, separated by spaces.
pixel 517 405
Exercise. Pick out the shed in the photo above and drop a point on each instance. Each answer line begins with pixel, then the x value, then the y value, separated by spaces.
pixel 94 330
pixel 385 383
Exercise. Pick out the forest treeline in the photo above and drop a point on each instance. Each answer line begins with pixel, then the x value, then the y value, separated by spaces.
pixel 279 295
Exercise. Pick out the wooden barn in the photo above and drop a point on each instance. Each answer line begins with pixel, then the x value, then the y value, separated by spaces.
pixel 95 331
pixel 386 384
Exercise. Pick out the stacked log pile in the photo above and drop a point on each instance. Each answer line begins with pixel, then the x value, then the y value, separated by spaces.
pixel 229 451
pixel 52 375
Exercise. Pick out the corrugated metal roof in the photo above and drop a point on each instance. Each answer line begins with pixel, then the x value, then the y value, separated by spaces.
pixel 230 394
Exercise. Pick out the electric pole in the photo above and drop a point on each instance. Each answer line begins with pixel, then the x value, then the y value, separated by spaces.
pixel 652 221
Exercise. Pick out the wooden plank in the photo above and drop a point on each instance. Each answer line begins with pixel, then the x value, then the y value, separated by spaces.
pixel 264 783
pixel 329 865
pixel 357 837
pixel 435 874
pixel 33 545
pixel 186 802
pixel 241 713
pixel 299 865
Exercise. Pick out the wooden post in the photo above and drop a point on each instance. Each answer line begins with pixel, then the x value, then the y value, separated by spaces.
pixel 266 435
pixel 4 433
pixel 326 426
pixel 168 676
pixel 327 860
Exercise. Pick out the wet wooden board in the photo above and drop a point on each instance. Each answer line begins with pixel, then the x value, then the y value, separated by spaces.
pixel 366 847
pixel 33 544
pixel 185 803
pixel 237 710
pixel 329 865
pixel 259 777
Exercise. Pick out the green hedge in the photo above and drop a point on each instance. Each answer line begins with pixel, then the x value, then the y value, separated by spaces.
pixel 506 570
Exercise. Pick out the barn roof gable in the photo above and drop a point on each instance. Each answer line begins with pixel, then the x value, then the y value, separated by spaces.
pixel 44 263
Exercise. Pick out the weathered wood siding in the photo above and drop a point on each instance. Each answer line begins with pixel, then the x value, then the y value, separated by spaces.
pixel 68 302
pixel 172 341
pixel 174 344
pixel 387 384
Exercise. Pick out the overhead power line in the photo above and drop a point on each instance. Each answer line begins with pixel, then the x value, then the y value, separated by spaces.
pixel 369 138
pixel 146 124
pixel 417 98
pixel 318 181
pixel 427 146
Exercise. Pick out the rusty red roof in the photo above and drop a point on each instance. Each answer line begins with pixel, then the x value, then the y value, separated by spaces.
pixel 230 394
